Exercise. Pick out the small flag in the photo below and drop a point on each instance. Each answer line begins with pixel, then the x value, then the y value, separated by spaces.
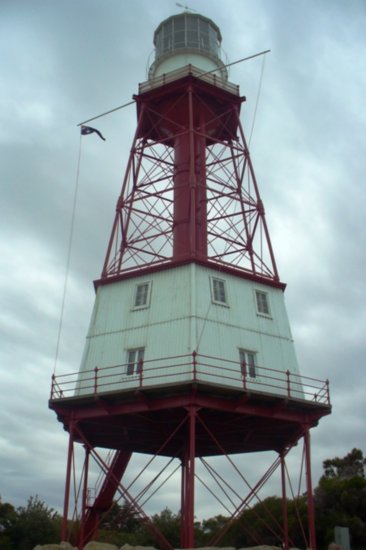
pixel 85 130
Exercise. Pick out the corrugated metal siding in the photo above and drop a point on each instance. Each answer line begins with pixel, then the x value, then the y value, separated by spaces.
pixel 182 318
pixel 162 329
pixel 225 329
pixel 222 331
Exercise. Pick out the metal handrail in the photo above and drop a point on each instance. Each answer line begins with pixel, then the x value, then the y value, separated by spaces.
pixel 190 368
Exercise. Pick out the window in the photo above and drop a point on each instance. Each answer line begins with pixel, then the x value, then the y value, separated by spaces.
pixel 247 363
pixel 135 361
pixel 142 295
pixel 262 302
pixel 179 33
pixel 192 32
pixel 204 39
pixel 168 35
pixel 219 291
pixel 214 42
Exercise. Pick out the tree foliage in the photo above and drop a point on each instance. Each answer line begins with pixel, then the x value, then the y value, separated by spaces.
pixel 7 520
pixel 120 517
pixel 351 465
pixel 25 527
pixel 340 499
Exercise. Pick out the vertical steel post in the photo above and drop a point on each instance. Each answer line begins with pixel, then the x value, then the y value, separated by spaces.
pixel 194 365
pixel 85 495
pixel 288 383
pixel 70 454
pixel 96 380
pixel 183 503
pixel 284 502
pixel 309 490
pixel 190 480
pixel 190 194
pixel 188 469
pixel 328 395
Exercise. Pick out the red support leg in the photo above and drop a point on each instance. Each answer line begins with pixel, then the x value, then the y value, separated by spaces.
pixel 284 503
pixel 187 540
pixel 70 453
pixel 309 487
pixel 183 503
pixel 85 494
pixel 184 498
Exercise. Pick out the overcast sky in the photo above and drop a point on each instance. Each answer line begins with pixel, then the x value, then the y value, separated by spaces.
pixel 65 61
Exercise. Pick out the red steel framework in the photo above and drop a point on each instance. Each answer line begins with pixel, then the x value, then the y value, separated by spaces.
pixel 189 422
pixel 190 192
pixel 189 195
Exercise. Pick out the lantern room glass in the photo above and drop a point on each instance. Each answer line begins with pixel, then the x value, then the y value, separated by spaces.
pixel 187 31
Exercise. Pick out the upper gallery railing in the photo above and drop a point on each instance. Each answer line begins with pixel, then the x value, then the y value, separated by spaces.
pixel 208 76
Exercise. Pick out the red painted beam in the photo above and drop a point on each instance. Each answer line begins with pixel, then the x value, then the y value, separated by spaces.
pixel 99 409
pixel 104 499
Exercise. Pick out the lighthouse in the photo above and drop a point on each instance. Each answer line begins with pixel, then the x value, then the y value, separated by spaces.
pixel 189 352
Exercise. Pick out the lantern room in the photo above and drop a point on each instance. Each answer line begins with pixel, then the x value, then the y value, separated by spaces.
pixel 187 39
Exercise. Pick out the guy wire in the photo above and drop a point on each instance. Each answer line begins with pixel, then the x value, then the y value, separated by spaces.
pixel 257 100
pixel 69 249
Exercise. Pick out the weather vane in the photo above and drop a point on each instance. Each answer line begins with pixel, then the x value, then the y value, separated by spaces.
pixel 187 8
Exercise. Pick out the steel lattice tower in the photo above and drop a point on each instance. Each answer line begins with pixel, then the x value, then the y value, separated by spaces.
pixel 189 353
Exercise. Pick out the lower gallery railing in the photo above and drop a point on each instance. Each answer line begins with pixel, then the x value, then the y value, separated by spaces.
pixel 190 368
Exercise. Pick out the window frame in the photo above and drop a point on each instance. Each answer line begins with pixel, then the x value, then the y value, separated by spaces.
pixel 146 303
pixel 135 361
pixel 248 358
pixel 262 297
pixel 215 297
